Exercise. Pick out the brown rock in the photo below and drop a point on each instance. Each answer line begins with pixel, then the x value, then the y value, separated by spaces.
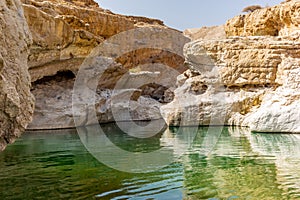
pixel 16 101
pixel 64 34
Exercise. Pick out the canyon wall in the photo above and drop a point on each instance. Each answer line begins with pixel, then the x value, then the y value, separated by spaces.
pixel 64 34
pixel 244 73
pixel 16 101
pixel 244 80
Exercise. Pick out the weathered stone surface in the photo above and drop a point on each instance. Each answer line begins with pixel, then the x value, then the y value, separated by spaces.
pixel 259 74
pixel 280 20
pixel 246 81
pixel 16 101
pixel 260 79
pixel 64 34
pixel 280 110
pixel 67 31
pixel 206 33
pixel 54 107
pixel 243 61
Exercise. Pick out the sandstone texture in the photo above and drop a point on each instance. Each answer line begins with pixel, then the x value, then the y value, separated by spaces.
pixel 280 20
pixel 244 80
pixel 16 101
pixel 64 34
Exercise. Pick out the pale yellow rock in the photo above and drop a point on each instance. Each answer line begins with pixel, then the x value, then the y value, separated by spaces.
pixel 243 61
pixel 16 101
pixel 206 33
pixel 54 107
pixel 280 20
pixel 248 79
pixel 280 110
pixel 64 34
pixel 67 31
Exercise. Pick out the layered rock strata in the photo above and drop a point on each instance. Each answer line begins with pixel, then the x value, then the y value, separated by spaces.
pixel 256 78
pixel 64 34
pixel 248 79
pixel 279 20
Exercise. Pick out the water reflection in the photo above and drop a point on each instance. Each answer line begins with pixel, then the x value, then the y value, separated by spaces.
pixel 56 165
pixel 285 150
pixel 232 171
pixel 133 154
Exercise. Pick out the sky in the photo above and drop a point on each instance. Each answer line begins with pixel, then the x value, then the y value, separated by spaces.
pixel 184 14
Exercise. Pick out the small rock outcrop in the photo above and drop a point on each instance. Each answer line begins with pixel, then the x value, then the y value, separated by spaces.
pixel 279 20
pixel 16 101
pixel 244 80
pixel 206 33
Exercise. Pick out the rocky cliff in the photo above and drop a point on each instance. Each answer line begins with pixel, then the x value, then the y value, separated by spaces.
pixel 245 73
pixel 280 20
pixel 64 34
pixel 249 79
pixel 16 101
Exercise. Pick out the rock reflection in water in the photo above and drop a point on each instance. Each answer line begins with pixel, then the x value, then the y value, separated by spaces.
pixel 242 165
pixel 285 150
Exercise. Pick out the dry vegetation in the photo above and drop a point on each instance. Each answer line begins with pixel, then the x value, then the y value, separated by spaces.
pixel 252 8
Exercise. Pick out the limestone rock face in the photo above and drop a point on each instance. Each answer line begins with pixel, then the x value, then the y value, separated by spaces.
pixel 244 61
pixel 280 20
pixel 257 84
pixel 279 111
pixel 255 72
pixel 16 101
pixel 64 34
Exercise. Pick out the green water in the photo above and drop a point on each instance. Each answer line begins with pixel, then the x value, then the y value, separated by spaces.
pixel 56 165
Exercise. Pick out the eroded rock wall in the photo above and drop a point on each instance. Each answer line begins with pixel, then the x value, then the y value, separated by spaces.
pixel 64 34
pixel 16 101
pixel 279 20
pixel 243 80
